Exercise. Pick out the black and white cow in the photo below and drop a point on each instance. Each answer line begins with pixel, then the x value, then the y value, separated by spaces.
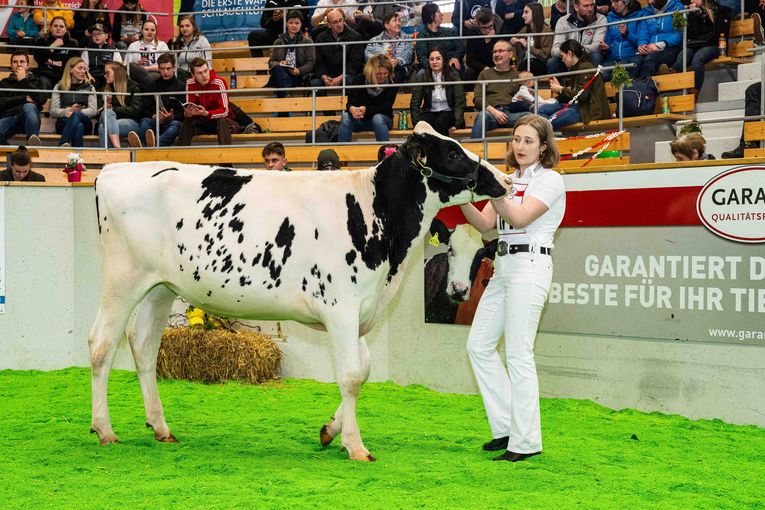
pixel 327 249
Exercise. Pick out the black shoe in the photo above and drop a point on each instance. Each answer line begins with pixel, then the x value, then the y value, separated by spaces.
pixel 738 152
pixel 515 457
pixel 499 443
pixel 759 30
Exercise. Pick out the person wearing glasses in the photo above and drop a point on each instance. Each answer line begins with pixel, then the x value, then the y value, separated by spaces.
pixel 478 51
pixel 499 93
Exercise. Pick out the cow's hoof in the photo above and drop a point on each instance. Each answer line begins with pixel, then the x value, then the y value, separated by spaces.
pixel 108 440
pixel 324 436
pixel 166 439
pixel 363 457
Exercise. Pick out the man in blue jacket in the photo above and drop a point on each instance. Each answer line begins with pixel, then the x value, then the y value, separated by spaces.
pixel 622 40
pixel 660 43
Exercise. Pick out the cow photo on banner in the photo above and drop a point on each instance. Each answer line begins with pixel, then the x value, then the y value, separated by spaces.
pixel 671 253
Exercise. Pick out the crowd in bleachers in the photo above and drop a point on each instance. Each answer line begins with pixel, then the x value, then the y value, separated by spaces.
pixel 80 52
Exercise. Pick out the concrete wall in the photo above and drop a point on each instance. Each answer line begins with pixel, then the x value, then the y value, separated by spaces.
pixel 52 290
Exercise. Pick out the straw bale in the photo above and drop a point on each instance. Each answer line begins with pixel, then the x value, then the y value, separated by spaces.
pixel 217 355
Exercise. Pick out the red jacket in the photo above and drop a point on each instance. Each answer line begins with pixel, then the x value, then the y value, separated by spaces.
pixel 215 104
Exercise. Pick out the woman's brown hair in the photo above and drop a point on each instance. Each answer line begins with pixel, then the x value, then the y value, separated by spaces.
pixel 686 144
pixel 20 157
pixel 550 155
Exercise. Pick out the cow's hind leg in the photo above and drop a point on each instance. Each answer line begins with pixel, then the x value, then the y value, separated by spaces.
pixel 350 376
pixel 334 426
pixel 144 334
pixel 103 340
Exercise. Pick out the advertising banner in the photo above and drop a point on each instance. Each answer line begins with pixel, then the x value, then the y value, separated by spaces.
pixel 674 253
pixel 230 26
pixel 2 250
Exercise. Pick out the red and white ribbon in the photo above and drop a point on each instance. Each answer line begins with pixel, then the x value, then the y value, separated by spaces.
pixel 601 145
pixel 576 97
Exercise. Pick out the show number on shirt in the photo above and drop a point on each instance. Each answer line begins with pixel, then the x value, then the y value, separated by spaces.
pixel 516 197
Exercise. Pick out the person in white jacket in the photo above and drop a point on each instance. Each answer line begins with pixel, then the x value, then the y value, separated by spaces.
pixel 591 35
pixel 141 57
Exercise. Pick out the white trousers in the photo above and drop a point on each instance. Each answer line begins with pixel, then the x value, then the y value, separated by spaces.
pixel 511 304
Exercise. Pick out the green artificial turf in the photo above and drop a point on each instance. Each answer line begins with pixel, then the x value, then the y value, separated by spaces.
pixel 257 447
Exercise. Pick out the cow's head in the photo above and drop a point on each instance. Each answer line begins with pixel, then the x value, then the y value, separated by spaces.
pixel 455 173
pixel 464 243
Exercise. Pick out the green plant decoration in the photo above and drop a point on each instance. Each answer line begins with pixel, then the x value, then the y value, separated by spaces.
pixel 619 77
pixel 693 127
pixel 678 21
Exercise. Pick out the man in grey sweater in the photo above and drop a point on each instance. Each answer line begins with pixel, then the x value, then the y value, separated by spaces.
pixel 593 34
pixel 499 94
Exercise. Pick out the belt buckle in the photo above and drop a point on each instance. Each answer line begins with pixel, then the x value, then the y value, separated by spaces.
pixel 502 248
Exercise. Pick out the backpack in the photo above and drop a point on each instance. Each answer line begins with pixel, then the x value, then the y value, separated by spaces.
pixel 640 97
pixel 326 132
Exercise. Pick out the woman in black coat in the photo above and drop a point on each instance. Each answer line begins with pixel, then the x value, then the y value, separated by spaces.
pixel 50 59
pixel 441 106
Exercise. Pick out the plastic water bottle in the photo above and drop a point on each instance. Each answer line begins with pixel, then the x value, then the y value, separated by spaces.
pixel 722 45
pixel 233 78
pixel 664 104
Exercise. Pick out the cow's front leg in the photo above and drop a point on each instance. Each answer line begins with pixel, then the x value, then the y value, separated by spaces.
pixel 350 374
pixel 334 426
pixel 144 335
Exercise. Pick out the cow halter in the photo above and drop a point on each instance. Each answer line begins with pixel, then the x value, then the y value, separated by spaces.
pixel 469 180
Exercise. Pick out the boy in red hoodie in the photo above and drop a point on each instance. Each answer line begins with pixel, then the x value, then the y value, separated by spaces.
pixel 206 113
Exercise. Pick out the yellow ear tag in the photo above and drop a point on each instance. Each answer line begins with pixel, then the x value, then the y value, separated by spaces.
pixel 434 240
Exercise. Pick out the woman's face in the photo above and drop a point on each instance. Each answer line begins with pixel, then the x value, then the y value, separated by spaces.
pixel 109 75
pixel 526 145
pixel 78 72
pixel 438 17
pixel 149 31
pixel 293 26
pixel 185 28
pixel 382 75
pixel 568 58
pixel 58 29
pixel 527 16
pixel 436 62
pixel 20 171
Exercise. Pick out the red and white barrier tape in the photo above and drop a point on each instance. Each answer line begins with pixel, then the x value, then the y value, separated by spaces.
pixel 576 97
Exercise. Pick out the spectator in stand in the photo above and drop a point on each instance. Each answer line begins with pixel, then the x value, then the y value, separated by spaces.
pixel 478 51
pixel 499 93
pixel 593 101
pixel 119 113
pixel 44 17
pixel 329 58
pixel 21 168
pixel 83 20
pixel 208 113
pixel 751 107
pixel 690 147
pixel 441 106
pixel 371 108
pixel 96 60
pixel 584 16
pixel 20 111
pixel 293 56
pixel 272 25
pixel 622 40
pixel 466 11
pixel 170 108
pixel 362 22
pixel 660 42
pixel 511 12
pixel 48 55
pixel 193 44
pixel 705 24
pixel 560 9
pixel 756 8
pixel 328 160
pixel 397 46
pixel 541 45
pixel 603 7
pixel 142 55
pixel 431 37
pixel 275 157
pixel 21 27
pixel 127 24
pixel 73 104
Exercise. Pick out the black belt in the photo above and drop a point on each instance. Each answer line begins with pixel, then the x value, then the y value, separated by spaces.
pixel 509 249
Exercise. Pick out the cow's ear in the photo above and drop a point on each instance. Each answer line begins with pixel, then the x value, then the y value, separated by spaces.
pixel 414 148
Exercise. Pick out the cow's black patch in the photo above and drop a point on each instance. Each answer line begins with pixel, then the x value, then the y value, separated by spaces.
pixel 199 224
pixel 209 293
pixel 284 238
pixel 256 259
pixel 316 234
pixel 228 266
pixel 181 248
pixel 329 278
pixel 244 280
pixel 353 278
pixel 305 284
pixel 98 213
pixel 165 170
pixel 350 257
pixel 237 209
pixel 236 225
pixel 242 258
pixel 196 274
pixel 180 266
pixel 179 225
pixel 240 238
pixel 220 187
